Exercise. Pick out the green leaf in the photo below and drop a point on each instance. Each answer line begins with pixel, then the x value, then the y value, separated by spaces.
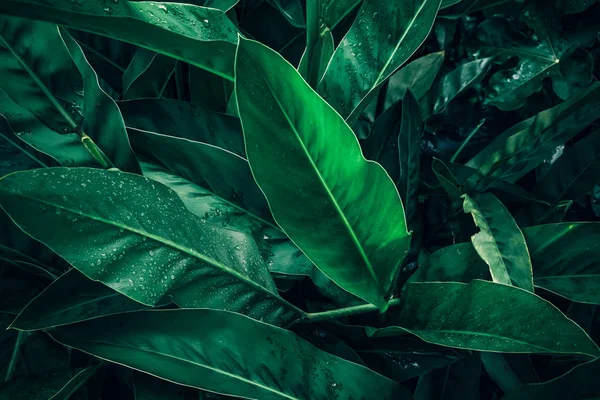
pixel 358 66
pixel 527 144
pixel 147 74
pixel 340 199
pixel 565 260
pixel 78 380
pixel 395 144
pixel 500 242
pixel 574 173
pixel 510 88
pixel 453 84
pixel 44 387
pixel 207 349
pixel 481 316
pixel 203 37
pixel 185 120
pixel 573 6
pixel 144 245
pixel 87 299
pixel 464 7
pixel 60 88
pixel 322 16
pixel 579 383
pixel 321 54
pixel 25 132
pixel 418 76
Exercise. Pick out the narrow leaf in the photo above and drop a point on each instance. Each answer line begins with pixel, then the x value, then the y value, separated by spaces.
pixel 340 199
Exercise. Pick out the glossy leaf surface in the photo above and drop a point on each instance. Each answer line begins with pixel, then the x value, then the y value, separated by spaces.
pixel 204 37
pixel 382 38
pixel 132 246
pixel 316 176
pixel 206 349
pixel 480 316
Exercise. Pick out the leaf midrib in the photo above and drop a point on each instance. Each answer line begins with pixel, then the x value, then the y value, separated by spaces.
pixel 326 187
pixel 217 370
pixel 171 244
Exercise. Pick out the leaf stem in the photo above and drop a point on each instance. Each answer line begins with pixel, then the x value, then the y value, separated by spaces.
pixel 467 140
pixel 346 312
pixel 95 151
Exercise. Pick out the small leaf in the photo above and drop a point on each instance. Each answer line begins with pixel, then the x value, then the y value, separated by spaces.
pixel 206 349
pixel 500 242
pixel 459 381
pixel 481 316
pixel 341 199
pixel 322 52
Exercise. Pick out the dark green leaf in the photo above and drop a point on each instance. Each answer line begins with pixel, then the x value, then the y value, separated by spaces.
pixel 203 37
pixel 459 381
pixel 574 173
pixel 87 299
pixel 365 228
pixel 418 76
pixel 147 74
pixel 132 245
pixel 209 91
pixel 207 349
pixel 321 54
pixel 481 316
pixel 383 37
pixel 527 144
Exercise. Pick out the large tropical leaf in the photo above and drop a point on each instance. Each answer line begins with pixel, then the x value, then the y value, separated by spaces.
pixel 210 350
pixel 500 242
pixel 482 316
pixel 132 245
pixel 319 187
pixel 61 89
pixel 383 37
pixel 564 258
pixel 201 36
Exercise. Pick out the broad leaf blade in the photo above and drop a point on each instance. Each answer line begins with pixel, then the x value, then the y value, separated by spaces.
pixel 86 299
pixel 144 245
pixel 500 242
pixel 208 349
pixel 382 38
pixel 319 187
pixel 481 316
pixel 203 37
